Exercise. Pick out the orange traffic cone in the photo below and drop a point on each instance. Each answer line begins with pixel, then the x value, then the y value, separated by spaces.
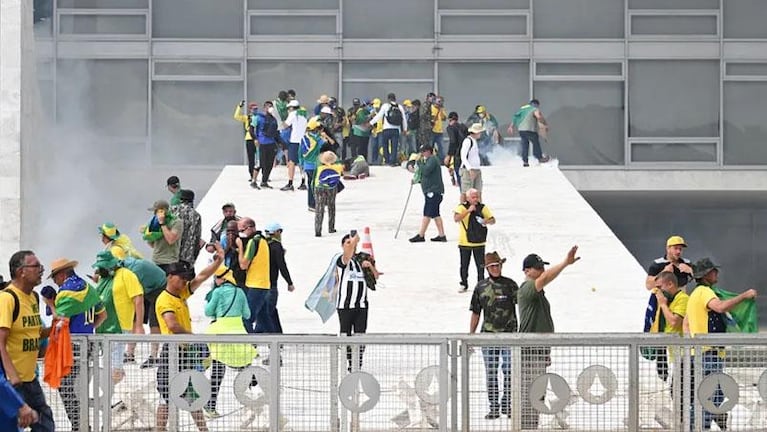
pixel 367 244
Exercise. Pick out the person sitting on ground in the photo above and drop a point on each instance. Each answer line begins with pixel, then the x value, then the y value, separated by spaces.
pixel 356 168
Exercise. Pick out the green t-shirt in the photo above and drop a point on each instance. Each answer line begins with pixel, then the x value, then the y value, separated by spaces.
pixel 164 253
pixel 534 310
pixel 151 276
pixel 360 126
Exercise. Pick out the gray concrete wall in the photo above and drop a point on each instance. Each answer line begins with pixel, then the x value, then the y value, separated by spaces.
pixel 10 129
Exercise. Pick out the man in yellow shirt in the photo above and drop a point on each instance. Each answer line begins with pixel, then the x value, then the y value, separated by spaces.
pixel 438 117
pixel 473 217
pixel 704 315
pixel 21 329
pixel 174 317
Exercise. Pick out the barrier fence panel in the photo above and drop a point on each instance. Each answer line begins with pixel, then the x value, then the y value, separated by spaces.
pixel 488 382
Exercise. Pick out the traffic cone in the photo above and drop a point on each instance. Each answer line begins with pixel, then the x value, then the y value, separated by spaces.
pixel 367 244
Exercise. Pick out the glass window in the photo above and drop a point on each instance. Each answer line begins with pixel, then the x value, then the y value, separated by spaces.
pixel 103 97
pixel 197 68
pixel 500 87
pixel 744 19
pixel 745 132
pixel 593 69
pixel 292 4
pixel 103 4
pixel 371 90
pixel 586 121
pixel 582 19
pixel 673 25
pixel 391 19
pixel 674 98
pixel 674 4
pixel 389 69
pixel 674 152
pixel 192 123
pixel 740 69
pixel 484 25
pixel 42 18
pixel 484 4
pixel 102 24
pixel 221 19
pixel 265 25
pixel 265 79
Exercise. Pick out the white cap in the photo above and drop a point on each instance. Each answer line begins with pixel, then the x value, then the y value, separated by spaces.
pixel 327 110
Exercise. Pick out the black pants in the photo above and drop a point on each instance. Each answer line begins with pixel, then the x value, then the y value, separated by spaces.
pixel 33 395
pixel 479 261
pixel 217 373
pixel 268 153
pixel 69 390
pixel 359 146
pixel 353 321
pixel 250 151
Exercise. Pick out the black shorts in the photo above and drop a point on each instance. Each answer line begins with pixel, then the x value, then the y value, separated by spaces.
pixel 150 316
pixel 431 205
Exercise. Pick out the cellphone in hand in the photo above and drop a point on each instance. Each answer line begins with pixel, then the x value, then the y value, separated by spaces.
pixel 353 233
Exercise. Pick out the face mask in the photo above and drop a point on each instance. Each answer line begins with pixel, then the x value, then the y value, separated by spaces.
pixel 243 235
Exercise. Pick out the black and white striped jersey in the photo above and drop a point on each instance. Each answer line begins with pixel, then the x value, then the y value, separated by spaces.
pixel 352 289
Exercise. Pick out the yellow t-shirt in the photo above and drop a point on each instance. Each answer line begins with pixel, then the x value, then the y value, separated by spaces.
pixel 697 309
pixel 126 286
pixel 678 306
pixel 438 115
pixel 463 223
pixel 167 302
pixel 24 338
pixel 258 273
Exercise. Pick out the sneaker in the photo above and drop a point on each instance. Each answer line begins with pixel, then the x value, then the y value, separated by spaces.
pixel 302 187
pixel 417 239
pixel 525 164
pixel 492 415
pixel 254 185
pixel 463 287
pixel 362 176
pixel 266 185
pixel 331 231
pixel 287 187
pixel 439 239
pixel 311 209
pixel 544 159
pixel 129 358
pixel 149 363
pixel 318 234
pixel 211 413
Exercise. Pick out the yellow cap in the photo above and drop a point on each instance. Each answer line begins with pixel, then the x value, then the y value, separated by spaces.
pixel 313 123
pixel 407 102
pixel 675 241
pixel 376 102
pixel 481 109
pixel 226 274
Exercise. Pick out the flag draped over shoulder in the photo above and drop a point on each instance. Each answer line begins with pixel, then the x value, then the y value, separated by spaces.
pixel 324 297
pixel 111 325
pixel 743 314
pixel 76 296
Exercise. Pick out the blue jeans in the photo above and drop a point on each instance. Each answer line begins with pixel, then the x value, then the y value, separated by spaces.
pixel 271 303
pixel 439 145
pixel 259 321
pixel 390 137
pixel 33 396
pixel 374 145
pixel 528 137
pixel 494 356
pixel 712 363
pixel 410 143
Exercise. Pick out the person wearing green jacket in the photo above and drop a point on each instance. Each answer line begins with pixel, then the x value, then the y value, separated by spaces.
pixel 429 171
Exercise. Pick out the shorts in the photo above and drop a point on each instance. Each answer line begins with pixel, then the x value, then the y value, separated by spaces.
pixel 186 361
pixel 431 205
pixel 467 183
pixel 150 316
pixel 293 152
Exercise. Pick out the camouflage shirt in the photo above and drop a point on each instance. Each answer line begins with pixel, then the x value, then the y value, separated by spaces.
pixel 497 299
pixel 190 237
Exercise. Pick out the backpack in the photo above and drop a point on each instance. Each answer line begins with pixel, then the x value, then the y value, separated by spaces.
pixel 394 115
pixel 413 120
pixel 328 179
pixel 475 232
pixel 16 304
pixel 269 128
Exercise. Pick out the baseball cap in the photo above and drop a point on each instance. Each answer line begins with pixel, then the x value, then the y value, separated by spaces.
pixel 227 205
pixel 533 261
pixel 173 181
pixel 327 110
pixel 273 227
pixel 186 195
pixel 294 104
pixel 452 116
pixel 182 269
pixel 426 147
pixel 675 240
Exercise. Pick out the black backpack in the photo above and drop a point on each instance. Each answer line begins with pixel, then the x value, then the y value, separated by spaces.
pixel 413 120
pixel 394 115
pixel 270 129
pixel 475 232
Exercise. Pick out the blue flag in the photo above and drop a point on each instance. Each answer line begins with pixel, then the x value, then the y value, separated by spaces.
pixel 324 297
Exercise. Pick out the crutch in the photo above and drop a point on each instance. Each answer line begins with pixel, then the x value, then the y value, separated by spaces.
pixel 403 211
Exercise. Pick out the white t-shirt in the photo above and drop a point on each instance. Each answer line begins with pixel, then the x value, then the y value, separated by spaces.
pixel 470 153
pixel 297 124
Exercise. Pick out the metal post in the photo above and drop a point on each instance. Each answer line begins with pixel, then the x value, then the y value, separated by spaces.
pixel 454 385
pixel 106 405
pixel 464 386
pixel 98 346
pixel 686 375
pixel 444 386
pixel 274 386
pixel 334 420
pixel 172 371
pixel 81 384
pixel 516 384
pixel 697 377
pixel 633 421
pixel 355 427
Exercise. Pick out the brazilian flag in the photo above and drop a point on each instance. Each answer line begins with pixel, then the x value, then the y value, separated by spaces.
pixel 744 317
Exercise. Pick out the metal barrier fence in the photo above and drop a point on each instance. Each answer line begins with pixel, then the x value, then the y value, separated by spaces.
pixel 488 382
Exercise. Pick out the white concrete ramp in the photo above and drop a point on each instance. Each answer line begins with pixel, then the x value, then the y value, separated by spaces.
pixel 536 208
